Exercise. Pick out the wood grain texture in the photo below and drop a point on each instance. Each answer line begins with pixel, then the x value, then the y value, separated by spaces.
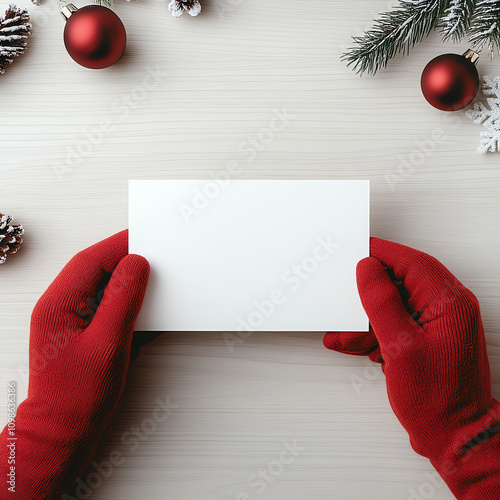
pixel 70 140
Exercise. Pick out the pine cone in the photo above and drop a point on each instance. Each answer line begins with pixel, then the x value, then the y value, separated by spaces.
pixel 14 31
pixel 10 237
pixel 177 7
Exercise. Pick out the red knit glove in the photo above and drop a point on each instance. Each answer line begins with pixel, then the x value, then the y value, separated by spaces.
pixel 426 330
pixel 79 355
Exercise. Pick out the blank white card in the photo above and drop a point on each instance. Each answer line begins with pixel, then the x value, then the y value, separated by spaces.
pixel 250 255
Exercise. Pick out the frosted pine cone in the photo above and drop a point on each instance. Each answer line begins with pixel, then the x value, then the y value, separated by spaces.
pixel 14 31
pixel 177 7
pixel 10 237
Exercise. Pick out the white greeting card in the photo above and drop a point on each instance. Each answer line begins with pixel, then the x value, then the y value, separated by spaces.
pixel 250 255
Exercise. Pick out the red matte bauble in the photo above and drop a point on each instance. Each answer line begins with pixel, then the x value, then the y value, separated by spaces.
pixel 450 82
pixel 94 36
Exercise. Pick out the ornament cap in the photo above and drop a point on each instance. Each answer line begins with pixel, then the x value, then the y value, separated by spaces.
pixel 471 55
pixel 67 10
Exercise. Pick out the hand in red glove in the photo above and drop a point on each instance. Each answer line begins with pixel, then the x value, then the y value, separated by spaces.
pixel 79 355
pixel 426 330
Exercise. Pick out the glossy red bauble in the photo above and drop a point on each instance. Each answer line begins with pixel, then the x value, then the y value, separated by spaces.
pixel 450 81
pixel 94 35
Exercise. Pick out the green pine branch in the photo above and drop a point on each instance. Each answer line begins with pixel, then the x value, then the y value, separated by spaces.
pixel 456 19
pixel 485 27
pixel 396 31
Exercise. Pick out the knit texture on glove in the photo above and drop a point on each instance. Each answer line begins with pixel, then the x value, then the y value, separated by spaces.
pixel 80 342
pixel 426 330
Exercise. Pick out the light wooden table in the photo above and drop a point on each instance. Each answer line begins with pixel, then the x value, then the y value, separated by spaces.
pixel 220 79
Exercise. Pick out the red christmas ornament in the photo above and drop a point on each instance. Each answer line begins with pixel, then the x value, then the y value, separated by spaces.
pixel 94 35
pixel 451 81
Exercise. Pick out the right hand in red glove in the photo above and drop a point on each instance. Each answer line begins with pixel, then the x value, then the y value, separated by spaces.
pixel 426 330
pixel 80 348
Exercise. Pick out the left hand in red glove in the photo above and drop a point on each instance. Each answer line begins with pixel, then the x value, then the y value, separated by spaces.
pixel 426 330
pixel 79 355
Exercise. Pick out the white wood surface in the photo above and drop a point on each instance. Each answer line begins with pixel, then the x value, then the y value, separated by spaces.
pixel 223 75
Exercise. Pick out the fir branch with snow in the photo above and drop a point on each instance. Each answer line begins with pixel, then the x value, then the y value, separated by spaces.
pixel 396 31
pixel 14 31
pixel 456 19
pixel 489 117
pixel 485 27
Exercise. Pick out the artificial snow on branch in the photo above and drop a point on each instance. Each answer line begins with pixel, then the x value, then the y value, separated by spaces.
pixel 488 117
pixel 396 31
pixel 485 27
pixel 456 19
pixel 400 29
pixel 14 31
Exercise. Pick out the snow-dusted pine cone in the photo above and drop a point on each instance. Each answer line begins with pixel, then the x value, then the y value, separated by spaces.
pixel 177 7
pixel 14 31
pixel 10 237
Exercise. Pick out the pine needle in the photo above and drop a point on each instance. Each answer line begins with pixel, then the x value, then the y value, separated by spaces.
pixel 485 27
pixel 396 31
pixel 456 19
